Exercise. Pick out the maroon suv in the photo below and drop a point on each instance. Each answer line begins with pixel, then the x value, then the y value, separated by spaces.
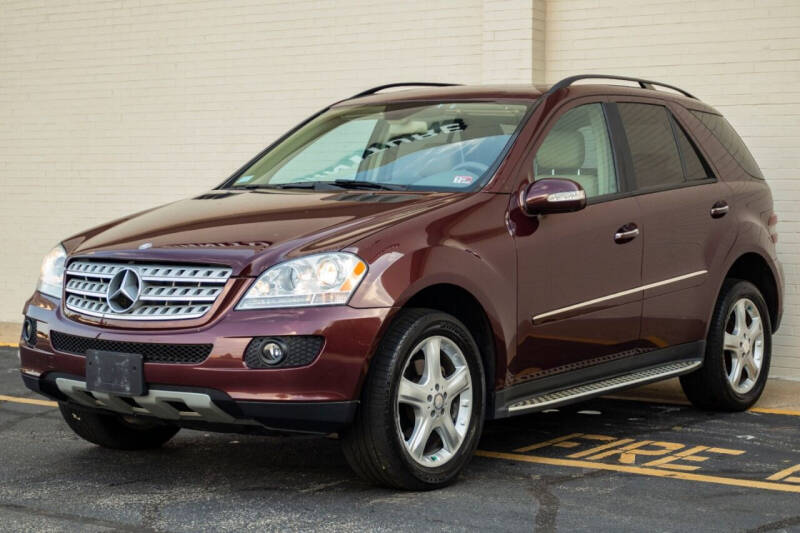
pixel 405 265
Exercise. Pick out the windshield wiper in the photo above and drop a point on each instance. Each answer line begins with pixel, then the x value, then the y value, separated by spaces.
pixel 292 185
pixel 357 184
pixel 317 185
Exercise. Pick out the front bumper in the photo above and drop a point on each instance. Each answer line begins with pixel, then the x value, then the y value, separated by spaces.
pixel 321 396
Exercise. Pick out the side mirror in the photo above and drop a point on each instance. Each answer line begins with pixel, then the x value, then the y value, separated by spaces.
pixel 552 195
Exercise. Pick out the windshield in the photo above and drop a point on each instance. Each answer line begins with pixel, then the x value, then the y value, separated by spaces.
pixel 424 146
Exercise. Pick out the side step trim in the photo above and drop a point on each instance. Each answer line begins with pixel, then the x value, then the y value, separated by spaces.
pixel 601 387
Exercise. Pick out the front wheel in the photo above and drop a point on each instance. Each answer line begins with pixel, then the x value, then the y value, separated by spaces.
pixel 422 406
pixel 738 351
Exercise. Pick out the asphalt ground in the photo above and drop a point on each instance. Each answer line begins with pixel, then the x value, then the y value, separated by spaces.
pixel 603 465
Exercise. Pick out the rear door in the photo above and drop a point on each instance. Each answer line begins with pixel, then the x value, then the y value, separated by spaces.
pixel 686 230
pixel 578 301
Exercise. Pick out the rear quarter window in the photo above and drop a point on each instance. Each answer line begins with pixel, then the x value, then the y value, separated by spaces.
pixel 727 136
pixel 694 167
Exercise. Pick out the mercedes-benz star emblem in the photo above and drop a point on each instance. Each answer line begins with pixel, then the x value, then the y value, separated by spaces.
pixel 123 290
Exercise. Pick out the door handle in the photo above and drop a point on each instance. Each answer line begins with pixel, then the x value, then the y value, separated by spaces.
pixel 626 233
pixel 720 209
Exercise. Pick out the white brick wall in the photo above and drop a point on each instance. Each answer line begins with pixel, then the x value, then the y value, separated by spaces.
pixel 741 56
pixel 111 106
pixel 507 51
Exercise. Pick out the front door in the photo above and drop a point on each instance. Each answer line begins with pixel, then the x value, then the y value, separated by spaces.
pixel 579 274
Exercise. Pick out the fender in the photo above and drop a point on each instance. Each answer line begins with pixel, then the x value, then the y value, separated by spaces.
pixel 759 243
pixel 458 250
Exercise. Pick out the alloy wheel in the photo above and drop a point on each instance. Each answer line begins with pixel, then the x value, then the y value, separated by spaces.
pixel 433 407
pixel 743 346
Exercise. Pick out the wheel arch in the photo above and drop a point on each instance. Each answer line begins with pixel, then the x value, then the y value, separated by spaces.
pixel 753 267
pixel 462 304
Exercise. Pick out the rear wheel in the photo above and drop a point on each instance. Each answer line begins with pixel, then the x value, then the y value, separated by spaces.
pixel 737 352
pixel 422 407
pixel 115 431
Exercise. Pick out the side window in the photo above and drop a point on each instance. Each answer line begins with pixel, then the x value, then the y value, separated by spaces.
pixel 656 161
pixel 578 148
pixel 728 137
pixel 695 168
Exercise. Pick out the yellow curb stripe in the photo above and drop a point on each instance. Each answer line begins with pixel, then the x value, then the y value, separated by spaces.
pixel 645 399
pixel 8 344
pixel 642 471
pixel 774 411
pixel 32 401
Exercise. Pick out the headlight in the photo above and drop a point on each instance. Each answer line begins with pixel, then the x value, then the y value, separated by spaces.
pixel 323 279
pixel 51 278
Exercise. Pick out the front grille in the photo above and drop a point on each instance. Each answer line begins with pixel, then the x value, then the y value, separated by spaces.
pixel 151 352
pixel 165 291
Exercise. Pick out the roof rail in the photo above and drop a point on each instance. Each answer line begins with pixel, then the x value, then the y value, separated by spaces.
pixel 644 84
pixel 402 84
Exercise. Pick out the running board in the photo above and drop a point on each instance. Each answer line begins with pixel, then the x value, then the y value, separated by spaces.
pixel 597 388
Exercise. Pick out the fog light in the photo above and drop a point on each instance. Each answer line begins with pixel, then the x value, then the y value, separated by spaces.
pixel 29 331
pixel 288 351
pixel 272 353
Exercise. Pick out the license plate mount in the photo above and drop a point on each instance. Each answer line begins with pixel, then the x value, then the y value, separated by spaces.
pixel 121 374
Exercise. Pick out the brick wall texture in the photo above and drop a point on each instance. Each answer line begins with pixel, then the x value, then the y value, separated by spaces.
pixel 112 106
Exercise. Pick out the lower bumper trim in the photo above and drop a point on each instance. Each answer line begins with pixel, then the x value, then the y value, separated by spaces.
pixel 327 417
pixel 194 407
pixel 164 404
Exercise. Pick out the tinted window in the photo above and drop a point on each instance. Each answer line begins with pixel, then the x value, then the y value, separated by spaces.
pixel 578 148
pixel 695 169
pixel 656 161
pixel 728 137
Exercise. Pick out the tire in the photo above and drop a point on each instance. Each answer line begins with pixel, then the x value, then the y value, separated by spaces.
pixel 112 431
pixel 376 444
pixel 715 385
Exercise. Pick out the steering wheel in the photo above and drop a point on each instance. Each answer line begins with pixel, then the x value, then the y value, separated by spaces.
pixel 471 166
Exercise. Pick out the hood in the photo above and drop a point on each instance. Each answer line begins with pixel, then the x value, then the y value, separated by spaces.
pixel 250 230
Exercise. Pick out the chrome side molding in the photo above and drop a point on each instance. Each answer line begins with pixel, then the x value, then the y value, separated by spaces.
pixel 537 318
